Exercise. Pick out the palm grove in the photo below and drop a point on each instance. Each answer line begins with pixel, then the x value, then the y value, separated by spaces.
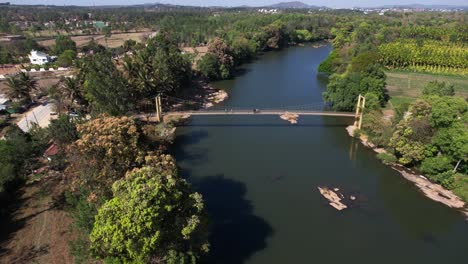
pixel 125 194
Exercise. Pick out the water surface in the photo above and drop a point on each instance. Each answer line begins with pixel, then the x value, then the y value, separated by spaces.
pixel 259 176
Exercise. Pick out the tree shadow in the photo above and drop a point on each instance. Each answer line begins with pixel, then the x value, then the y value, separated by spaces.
pixel 180 147
pixel 236 233
pixel 10 204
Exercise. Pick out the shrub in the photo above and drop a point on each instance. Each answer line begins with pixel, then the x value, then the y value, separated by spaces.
pixel 446 179
pixel 435 165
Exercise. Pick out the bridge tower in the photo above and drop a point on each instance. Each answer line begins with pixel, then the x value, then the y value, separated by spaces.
pixel 158 108
pixel 359 111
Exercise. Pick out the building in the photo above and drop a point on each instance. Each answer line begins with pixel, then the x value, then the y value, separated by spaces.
pixel 39 58
pixel 3 102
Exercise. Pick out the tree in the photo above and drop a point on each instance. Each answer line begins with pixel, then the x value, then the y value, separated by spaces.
pixel 66 58
pixel 106 149
pixel 208 66
pixel 107 33
pixel 63 130
pixel 106 89
pixel 152 217
pixel 15 151
pixel 343 90
pixel 159 68
pixel 16 89
pixel 29 83
pixel 63 43
pixel 452 141
pixel 436 165
pixel 446 110
pixel 225 61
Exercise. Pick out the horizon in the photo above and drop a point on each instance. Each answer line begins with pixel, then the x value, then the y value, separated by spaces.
pixel 236 3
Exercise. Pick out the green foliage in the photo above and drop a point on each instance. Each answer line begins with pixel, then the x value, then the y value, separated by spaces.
pixel 66 58
pixel 63 130
pixel 343 90
pixel 159 68
pixel 105 87
pixel 364 60
pixel 327 66
pixel 446 110
pixel 439 89
pixel 436 165
pixel 301 35
pixel 453 141
pixel 432 56
pixel 63 43
pixel 446 179
pixel 15 153
pixel 208 66
pixel 151 216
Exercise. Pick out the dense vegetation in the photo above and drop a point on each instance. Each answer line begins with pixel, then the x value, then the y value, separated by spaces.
pixel 128 201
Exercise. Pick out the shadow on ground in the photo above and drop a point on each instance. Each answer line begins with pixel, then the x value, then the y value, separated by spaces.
pixel 236 233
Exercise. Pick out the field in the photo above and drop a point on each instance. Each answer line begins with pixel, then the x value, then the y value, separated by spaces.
pixel 405 86
pixel 115 40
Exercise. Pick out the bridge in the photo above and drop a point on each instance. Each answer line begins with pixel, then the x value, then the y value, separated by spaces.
pixel 319 109
pixel 259 112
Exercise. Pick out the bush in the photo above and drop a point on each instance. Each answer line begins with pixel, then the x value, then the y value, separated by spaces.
pixel 446 179
pixel 435 165
pixel 387 158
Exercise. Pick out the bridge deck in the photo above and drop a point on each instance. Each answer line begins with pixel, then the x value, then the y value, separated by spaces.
pixel 262 112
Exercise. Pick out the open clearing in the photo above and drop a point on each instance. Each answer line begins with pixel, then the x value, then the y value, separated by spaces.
pixel 403 87
pixel 38 229
pixel 115 40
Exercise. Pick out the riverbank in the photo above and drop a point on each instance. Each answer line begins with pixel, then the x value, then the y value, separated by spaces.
pixel 431 190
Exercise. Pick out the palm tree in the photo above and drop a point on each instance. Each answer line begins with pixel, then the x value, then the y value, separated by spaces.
pixel 16 89
pixel 27 81
pixel 71 88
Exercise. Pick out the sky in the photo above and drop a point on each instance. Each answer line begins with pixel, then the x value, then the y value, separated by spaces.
pixel 329 3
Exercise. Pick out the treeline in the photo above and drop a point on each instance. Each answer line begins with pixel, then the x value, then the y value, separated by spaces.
pixel 430 56
pixel 429 134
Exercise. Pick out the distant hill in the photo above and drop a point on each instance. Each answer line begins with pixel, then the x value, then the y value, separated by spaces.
pixel 421 6
pixel 295 4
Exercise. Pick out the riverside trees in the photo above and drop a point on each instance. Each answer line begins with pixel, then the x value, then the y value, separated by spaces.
pixel 147 214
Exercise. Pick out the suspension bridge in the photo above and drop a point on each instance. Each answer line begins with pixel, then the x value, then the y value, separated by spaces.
pixel 180 106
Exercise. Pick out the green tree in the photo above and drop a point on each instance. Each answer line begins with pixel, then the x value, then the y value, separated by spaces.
pixel 105 87
pixel 436 165
pixel 439 88
pixel 66 58
pixel 63 130
pixel 63 43
pixel 209 67
pixel 152 217
pixel 159 68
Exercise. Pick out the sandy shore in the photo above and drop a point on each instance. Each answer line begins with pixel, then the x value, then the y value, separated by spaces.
pixel 431 190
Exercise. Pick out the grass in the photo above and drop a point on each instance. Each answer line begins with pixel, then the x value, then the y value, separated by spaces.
pixel 403 85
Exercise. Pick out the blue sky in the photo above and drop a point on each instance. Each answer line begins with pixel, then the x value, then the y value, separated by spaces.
pixel 329 3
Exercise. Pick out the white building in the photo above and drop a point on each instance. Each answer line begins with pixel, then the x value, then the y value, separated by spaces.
pixel 3 101
pixel 39 58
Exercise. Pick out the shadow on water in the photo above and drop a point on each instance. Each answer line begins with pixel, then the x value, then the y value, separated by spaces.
pixel 264 125
pixel 236 233
pixel 196 154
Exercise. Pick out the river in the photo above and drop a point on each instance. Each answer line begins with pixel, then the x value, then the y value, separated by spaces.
pixel 259 177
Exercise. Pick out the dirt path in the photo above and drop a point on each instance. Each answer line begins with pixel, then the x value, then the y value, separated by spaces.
pixel 40 231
